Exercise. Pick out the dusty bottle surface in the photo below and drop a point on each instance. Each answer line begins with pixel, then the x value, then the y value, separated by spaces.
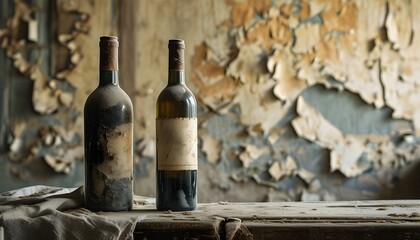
pixel 176 138
pixel 108 127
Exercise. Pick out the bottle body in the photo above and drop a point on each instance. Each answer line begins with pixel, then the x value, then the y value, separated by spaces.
pixel 108 128
pixel 176 138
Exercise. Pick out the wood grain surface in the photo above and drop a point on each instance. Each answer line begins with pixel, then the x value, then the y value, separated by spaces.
pixel 282 220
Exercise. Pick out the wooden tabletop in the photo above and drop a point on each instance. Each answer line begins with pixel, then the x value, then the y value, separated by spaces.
pixel 398 219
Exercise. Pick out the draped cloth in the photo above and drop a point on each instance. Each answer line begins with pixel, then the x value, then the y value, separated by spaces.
pixel 44 212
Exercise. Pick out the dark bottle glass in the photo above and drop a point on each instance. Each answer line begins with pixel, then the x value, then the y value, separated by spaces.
pixel 176 138
pixel 108 119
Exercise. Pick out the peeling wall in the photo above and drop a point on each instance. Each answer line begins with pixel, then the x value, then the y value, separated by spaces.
pixel 298 100
pixel 50 50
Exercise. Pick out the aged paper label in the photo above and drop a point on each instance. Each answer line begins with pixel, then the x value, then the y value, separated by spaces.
pixel 176 143
pixel 118 152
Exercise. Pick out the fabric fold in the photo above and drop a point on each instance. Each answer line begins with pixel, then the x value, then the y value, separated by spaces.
pixel 43 212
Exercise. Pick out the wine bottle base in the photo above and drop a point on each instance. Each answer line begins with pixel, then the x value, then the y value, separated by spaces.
pixel 176 190
pixel 116 196
pixel 175 209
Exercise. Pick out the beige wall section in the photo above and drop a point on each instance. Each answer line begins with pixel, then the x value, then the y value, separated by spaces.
pixel 156 23
pixel 86 75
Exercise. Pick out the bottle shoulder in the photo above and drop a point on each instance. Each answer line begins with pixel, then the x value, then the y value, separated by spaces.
pixel 178 92
pixel 108 96
pixel 176 101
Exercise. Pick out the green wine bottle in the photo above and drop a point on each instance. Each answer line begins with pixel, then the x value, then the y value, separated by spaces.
pixel 108 117
pixel 176 138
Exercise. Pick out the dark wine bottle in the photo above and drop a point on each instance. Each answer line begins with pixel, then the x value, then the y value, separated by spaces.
pixel 108 119
pixel 176 138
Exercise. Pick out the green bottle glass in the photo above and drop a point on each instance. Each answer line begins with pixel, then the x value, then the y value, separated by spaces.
pixel 176 138
pixel 108 128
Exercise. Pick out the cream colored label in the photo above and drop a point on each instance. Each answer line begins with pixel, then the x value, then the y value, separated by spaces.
pixel 118 152
pixel 176 140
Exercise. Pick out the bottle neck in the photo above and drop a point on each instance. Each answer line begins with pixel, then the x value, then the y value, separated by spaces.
pixel 108 78
pixel 108 61
pixel 176 77
pixel 176 62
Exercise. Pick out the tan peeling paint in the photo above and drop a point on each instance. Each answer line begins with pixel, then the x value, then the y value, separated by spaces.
pixel 251 154
pixel 339 16
pixel 346 157
pixel 281 169
pixel 260 34
pixel 255 111
pixel 279 31
pixel 211 147
pixel 370 18
pixel 261 6
pixel 306 175
pixel 398 23
pixel 313 126
pixel 288 86
pixel 246 66
pixel 44 98
pixel 345 151
pixel 317 6
pixel 242 14
pixel 307 37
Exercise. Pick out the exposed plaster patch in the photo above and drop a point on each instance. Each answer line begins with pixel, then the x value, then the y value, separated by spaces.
pixel 288 87
pixel 306 175
pixel 211 147
pixel 254 112
pixel 345 152
pixel 398 23
pixel 282 169
pixel 251 154
pixel 307 37
pixel 247 65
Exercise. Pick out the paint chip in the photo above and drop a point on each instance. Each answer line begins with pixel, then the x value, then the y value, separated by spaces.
pixel 279 170
pixel 251 154
pixel 211 147
pixel 307 37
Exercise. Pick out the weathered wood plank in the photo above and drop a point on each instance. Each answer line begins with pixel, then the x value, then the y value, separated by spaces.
pixel 288 220
pixel 327 230
pixel 192 229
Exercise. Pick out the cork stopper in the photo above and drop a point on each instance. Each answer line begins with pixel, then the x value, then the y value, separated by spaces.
pixel 176 54
pixel 108 57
